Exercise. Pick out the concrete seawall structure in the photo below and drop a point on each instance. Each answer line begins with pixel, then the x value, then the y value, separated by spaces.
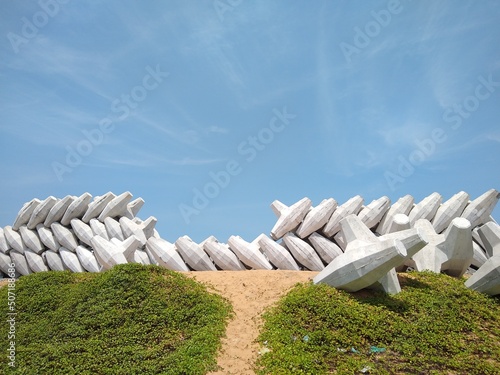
pixel 352 245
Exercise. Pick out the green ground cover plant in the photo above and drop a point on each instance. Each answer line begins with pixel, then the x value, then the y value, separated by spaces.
pixel 434 326
pixel 132 319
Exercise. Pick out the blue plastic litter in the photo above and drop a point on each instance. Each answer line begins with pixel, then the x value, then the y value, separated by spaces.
pixel 375 349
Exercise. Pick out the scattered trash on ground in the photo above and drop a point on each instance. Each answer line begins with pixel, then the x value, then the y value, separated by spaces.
pixel 375 349
pixel 264 351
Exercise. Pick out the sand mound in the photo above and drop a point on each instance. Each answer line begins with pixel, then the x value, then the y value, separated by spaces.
pixel 250 293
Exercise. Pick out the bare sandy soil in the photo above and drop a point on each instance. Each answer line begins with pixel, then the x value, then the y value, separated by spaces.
pixel 250 293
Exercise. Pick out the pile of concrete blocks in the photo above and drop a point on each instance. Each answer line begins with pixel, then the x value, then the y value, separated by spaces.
pixel 79 234
pixel 487 278
pixel 352 245
pixel 366 245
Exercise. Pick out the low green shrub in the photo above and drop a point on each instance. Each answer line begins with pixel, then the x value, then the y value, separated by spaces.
pixel 434 326
pixel 132 319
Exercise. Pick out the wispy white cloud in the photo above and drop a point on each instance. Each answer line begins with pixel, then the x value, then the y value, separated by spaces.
pixel 493 136
pixel 165 128
pixel 64 61
pixel 26 175
pixel 371 159
pixel 406 134
pixel 217 129
pixel 210 35
pixel 150 160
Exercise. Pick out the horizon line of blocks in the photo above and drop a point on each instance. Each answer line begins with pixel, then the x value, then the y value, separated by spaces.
pixel 354 246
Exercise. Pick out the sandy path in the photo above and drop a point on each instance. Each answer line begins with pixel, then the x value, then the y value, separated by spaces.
pixel 250 293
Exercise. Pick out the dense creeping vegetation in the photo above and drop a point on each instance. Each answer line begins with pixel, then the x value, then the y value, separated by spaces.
pixel 146 320
pixel 434 326
pixel 132 319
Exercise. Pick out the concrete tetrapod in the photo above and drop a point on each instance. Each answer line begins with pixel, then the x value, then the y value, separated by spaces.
pixel 373 212
pixel 402 206
pixel 148 226
pixel 35 261
pixel 208 239
pixel 479 257
pixel 31 239
pixel 490 236
pixel 354 230
pixel 326 249
pixel 479 210
pixel 151 257
pixel 356 233
pixel 316 218
pixel 82 231
pixel 411 239
pixel 127 247
pixel 165 254
pixel 426 208
pixel 57 211
pixel 449 210
pixel 451 251
pixel 87 259
pixel 41 211
pixel 457 247
pixel 249 253
pixel 278 207
pixel 194 255
pixel 399 222
pixel 431 256
pixel 95 207
pixel 487 278
pixel 4 245
pixel 133 208
pixel 47 237
pixel 303 252
pixel 130 228
pixel 64 236
pixel 277 254
pixel 352 206
pixel 477 238
pixel 70 260
pixel 107 253
pixel 20 262
pixel 99 229
pixel 76 209
pixel 6 266
pixel 362 267
pixel 141 257
pixel 24 214
pixel 113 228
pixel 5 263
pixel 289 217
pixel 14 240
pixel 116 207
pixel 222 256
pixel 54 261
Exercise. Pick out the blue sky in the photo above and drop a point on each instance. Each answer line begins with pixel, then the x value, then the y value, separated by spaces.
pixel 246 102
